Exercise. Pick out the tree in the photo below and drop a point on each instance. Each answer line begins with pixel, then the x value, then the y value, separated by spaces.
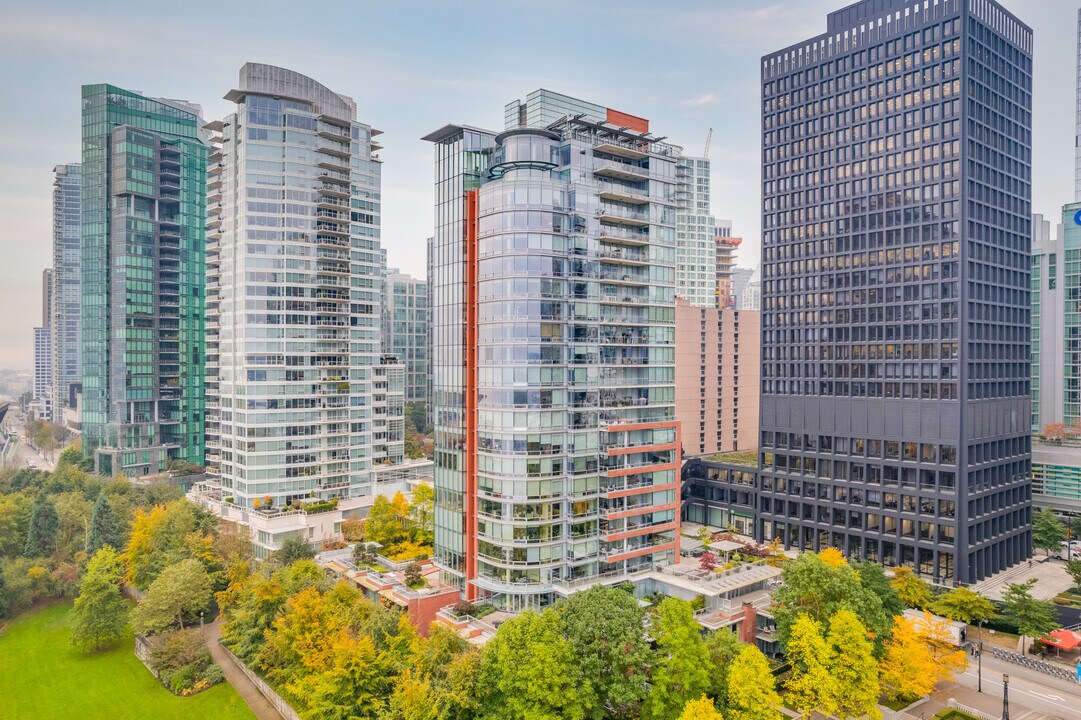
pixel 294 548
pixel 964 605
pixel 681 669
pixel 414 445
pixel 104 530
pixel 752 691
pixel 910 588
pixel 182 590
pixel 918 656
pixel 5 600
pixel 707 561
pixel 422 515
pixel 1055 432
pixel 612 657
pixel 1034 618
pixel 873 578
pixel 161 536
pixel 412 699
pixel 457 694
pixel 853 667
pixel 723 646
pixel 810 687
pixel 700 709
pixel 1048 532
pixel 41 535
pixel 813 586
pixel 527 671
pixel 1073 569
pixel 386 522
pixel 100 611
pixel 413 576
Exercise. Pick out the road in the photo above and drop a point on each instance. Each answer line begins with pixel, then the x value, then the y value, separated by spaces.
pixel 24 451
pixel 1028 688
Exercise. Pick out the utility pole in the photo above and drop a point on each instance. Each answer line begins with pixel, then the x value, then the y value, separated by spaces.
pixel 979 659
pixel 1005 697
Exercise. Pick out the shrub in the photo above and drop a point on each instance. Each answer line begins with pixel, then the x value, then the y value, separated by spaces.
pixel 463 607
pixel 214 675
pixel 183 662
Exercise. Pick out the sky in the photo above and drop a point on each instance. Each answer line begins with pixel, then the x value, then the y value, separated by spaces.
pixel 414 66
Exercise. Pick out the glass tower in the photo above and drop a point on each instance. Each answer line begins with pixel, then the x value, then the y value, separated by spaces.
pixel 67 283
pixel 405 330
pixel 294 283
pixel 696 246
pixel 895 288
pixel 143 266
pixel 553 321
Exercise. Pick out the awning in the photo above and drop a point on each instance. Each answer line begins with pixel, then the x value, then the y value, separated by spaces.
pixel 1062 639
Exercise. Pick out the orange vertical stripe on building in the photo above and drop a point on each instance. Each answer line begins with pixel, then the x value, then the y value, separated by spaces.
pixel 470 358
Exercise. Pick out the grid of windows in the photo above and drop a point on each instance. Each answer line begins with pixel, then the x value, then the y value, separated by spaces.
pixel 895 287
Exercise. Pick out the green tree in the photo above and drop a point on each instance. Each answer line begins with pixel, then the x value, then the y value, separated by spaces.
pixel 964 605
pixel 414 445
pixel 5 599
pixel 820 589
pixel 386 522
pixel 1073 569
pixel 810 687
pixel 412 699
pixel 422 515
pixel 456 693
pixel 752 690
pixel 873 577
pixel 41 535
pixel 294 548
pixel 1034 618
pixel 681 669
pixel 1048 532
pixel 73 519
pixel 853 667
pixel 100 611
pixel 182 590
pixel 604 627
pixel 527 671
pixel 723 647
pixel 104 528
pixel 910 588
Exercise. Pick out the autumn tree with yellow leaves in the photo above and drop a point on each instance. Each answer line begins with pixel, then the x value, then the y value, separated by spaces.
pixel 918 656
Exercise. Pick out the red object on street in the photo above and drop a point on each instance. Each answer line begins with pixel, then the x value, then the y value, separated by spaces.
pixel 1062 639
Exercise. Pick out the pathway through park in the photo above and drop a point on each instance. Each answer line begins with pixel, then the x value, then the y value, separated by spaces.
pixel 236 677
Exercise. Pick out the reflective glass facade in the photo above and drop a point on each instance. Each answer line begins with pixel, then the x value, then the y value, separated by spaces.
pixel 294 268
pixel 553 323
pixel 143 278
pixel 67 283
pixel 895 288
pixel 405 330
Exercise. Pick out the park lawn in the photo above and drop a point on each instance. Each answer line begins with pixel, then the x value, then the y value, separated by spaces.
pixel 41 676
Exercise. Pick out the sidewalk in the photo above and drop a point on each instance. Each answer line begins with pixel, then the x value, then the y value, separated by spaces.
pixel 240 682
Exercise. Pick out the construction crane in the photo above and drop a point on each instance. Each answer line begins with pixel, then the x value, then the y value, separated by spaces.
pixel 709 136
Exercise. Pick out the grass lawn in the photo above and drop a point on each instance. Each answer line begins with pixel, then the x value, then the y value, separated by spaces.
pixel 41 676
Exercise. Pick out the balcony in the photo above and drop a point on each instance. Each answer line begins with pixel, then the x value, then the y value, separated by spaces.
pixel 622 216
pixel 619 170
pixel 621 256
pixel 619 236
pixel 609 148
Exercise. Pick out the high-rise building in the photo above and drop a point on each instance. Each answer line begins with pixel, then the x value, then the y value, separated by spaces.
pixel 696 246
pixel 405 330
pixel 294 283
pixel 751 297
pixel 717 371
pixel 557 447
pixel 42 404
pixel 143 267
pixel 67 284
pixel 1077 116
pixel 740 278
pixel 725 249
pixel 895 285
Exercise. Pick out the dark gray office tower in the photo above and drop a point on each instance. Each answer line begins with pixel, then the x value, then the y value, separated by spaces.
pixel 896 184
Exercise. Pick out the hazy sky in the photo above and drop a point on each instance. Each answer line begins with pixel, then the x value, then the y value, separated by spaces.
pixel 415 66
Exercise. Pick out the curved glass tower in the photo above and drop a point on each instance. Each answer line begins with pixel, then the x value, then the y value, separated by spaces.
pixel 553 314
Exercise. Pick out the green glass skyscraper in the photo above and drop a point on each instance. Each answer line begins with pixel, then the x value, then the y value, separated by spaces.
pixel 143 268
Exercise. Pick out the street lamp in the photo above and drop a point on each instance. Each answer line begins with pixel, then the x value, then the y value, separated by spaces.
pixel 979 659
pixel 1005 697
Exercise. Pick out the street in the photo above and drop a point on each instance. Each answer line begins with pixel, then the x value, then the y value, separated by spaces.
pixel 1032 694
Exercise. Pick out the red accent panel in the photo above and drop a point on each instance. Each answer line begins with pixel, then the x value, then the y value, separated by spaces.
pixel 633 122
pixel 471 351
